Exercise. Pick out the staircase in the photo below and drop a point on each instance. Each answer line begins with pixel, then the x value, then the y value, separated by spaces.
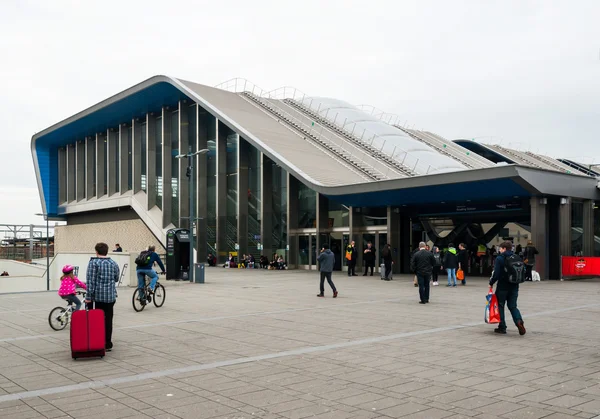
pixel 391 162
pixel 368 171
pixel 549 162
pixel 518 156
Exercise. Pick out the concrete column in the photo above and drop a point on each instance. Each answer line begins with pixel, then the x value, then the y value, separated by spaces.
pixel 113 164
pixel 292 216
pixel 393 237
pixel 100 157
pixel 322 219
pixel 354 222
pixel 266 205
pixel 62 175
pixel 242 204
pixel 167 188
pixel 564 225
pixel 184 184
pixel 71 173
pixel 136 151
pixel 123 158
pixel 151 160
pixel 588 228
pixel 203 122
pixel 80 170
pixel 221 215
pixel 540 234
pixel 90 167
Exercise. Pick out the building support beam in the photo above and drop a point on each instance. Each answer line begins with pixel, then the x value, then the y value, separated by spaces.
pixel 588 228
pixel 221 215
pixel 136 151
pixel 564 225
pixel 100 167
pixel 394 237
pixel 71 173
pixel 167 186
pixel 113 163
pixel 124 158
pixel 151 181
pixel 540 234
pixel 292 217
pixel 266 205
pixel 90 168
pixel 242 201
pixel 80 170
pixel 183 194
pixel 322 220
pixel 204 123
pixel 62 175
pixel 403 253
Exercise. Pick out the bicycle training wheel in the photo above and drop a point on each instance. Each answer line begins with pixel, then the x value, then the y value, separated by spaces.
pixel 58 318
pixel 159 295
pixel 138 300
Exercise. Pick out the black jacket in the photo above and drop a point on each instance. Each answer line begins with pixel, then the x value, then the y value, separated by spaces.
pixel 386 254
pixel 462 258
pixel 369 257
pixel 422 262
pixel 450 260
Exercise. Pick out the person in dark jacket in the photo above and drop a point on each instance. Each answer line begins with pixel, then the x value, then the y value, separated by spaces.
pixel 451 263
pixel 463 258
pixel 506 292
pixel 351 251
pixel 422 265
pixel 369 258
pixel 326 263
pixel 438 265
pixel 147 270
pixel 529 259
pixel 386 254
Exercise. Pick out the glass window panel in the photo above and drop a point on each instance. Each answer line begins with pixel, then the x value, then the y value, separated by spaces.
pixel 596 230
pixel 105 163
pixel 144 156
pixel 338 215
pixel 307 207
pixel 254 202
pixel 279 210
pixel 232 190
pixel 577 233
pixel 158 152
pixel 208 125
pixel 130 158
pixel 303 249
pixel 175 168
pixel 93 150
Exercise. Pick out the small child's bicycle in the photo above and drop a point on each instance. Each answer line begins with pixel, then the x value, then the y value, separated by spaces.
pixel 59 316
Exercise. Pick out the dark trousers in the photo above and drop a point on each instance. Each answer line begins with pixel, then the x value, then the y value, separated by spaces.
pixel 435 273
pixel 528 272
pixel 423 280
pixel 326 275
pixel 509 298
pixel 369 265
pixel 108 309
pixel 388 268
pixel 464 281
pixel 351 267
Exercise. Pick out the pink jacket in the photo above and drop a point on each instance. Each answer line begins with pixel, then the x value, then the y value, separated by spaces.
pixel 68 286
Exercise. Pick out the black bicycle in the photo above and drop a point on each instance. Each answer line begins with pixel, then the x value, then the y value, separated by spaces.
pixel 144 296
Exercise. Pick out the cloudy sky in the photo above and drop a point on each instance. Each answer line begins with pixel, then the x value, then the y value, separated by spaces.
pixel 523 73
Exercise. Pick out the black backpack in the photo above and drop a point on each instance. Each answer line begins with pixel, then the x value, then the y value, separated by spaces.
pixel 143 258
pixel 515 269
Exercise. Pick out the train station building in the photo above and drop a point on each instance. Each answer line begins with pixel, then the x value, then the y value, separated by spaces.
pixel 286 172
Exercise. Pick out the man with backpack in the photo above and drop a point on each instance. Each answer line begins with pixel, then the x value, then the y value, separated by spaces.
pixel 509 272
pixel 145 262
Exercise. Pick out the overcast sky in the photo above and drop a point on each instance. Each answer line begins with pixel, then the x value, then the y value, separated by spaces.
pixel 524 73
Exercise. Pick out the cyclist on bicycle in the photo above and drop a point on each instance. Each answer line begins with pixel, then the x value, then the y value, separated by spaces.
pixel 143 269
pixel 68 286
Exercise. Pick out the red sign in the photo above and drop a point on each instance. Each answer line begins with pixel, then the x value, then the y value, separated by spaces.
pixel 580 266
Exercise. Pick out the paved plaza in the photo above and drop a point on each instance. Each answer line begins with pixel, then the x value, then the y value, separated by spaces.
pixel 260 344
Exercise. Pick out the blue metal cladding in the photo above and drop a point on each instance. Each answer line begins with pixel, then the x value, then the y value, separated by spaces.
pixel 136 105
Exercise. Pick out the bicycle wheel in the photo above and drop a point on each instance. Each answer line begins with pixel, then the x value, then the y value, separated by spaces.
pixel 159 295
pixel 138 300
pixel 58 318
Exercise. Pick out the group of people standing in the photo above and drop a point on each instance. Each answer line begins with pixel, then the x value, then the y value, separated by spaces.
pixel 369 259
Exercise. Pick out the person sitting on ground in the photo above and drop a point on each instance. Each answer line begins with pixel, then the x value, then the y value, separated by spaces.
pixel 68 286
pixel 244 261
pixel 251 262
pixel 281 263
pixel 230 262
pixel 4 273
pixel 211 260
pixel 264 262
pixel 273 264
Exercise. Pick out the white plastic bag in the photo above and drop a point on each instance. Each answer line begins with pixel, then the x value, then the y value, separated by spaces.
pixel 535 276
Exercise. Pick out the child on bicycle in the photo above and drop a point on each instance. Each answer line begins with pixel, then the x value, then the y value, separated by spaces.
pixel 68 286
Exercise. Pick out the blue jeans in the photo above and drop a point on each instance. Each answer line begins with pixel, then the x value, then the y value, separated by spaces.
pixel 509 298
pixel 451 276
pixel 141 274
pixel 72 299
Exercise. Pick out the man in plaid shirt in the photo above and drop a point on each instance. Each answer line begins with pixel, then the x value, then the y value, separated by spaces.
pixel 101 279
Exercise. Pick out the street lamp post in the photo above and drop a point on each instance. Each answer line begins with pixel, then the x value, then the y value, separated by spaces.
pixel 47 251
pixel 190 175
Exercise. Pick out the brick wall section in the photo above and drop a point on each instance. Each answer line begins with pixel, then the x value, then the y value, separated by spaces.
pixel 132 235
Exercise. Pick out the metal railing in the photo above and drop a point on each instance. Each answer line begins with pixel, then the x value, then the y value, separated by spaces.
pixel 410 163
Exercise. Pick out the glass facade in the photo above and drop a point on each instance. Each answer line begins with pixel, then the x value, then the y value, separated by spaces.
pixel 232 191
pixel 208 128
pixel 254 203
pixel 307 207
pixel 92 149
pixel 175 167
pixel 596 229
pixel 129 158
pixel 577 232
pixel 143 156
pixel 158 168
pixel 338 215
pixel 279 210
pixel 105 179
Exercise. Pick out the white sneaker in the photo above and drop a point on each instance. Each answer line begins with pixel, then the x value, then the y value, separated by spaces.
pixel 435 284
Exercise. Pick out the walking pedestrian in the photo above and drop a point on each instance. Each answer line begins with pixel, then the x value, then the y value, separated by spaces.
pixel 369 257
pixel 422 265
pixel 387 260
pixel 463 259
pixel 507 292
pixel 437 267
pixel 326 263
pixel 351 257
pixel 529 259
pixel 451 263
pixel 101 279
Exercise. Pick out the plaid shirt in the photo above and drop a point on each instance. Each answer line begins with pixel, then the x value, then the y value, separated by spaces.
pixel 101 278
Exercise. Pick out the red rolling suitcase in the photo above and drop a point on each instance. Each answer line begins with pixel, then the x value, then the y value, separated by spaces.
pixel 87 334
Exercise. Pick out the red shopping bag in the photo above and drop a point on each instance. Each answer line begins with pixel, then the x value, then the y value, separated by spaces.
pixel 492 312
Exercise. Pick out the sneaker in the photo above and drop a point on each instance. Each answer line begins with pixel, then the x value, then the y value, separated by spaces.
pixel 521 327
pixel 449 285
pixel 501 331
pixel 320 295
pixel 435 284
pixel 454 285
pixel 335 294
